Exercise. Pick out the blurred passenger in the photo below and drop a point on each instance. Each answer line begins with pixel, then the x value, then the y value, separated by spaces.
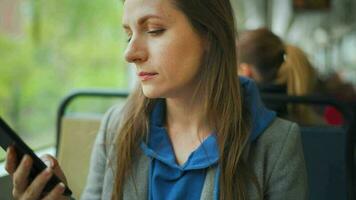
pixel 334 86
pixel 278 68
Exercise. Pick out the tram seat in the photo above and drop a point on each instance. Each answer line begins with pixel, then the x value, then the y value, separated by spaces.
pixel 76 134
pixel 328 150
pixel 328 162
pixel 77 138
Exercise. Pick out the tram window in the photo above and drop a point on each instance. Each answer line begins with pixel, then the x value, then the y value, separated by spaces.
pixel 49 48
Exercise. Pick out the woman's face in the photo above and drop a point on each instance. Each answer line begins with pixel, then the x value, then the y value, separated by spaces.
pixel 163 46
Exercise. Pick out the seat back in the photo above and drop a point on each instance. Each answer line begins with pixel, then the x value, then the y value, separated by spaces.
pixel 328 150
pixel 76 133
pixel 326 156
pixel 77 138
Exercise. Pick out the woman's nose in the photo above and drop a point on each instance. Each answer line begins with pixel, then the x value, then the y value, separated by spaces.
pixel 135 52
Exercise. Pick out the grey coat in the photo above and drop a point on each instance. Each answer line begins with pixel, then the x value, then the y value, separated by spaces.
pixel 276 158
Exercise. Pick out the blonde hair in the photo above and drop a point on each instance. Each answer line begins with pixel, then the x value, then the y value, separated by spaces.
pixel 297 73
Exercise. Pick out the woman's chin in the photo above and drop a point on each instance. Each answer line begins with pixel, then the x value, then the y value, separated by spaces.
pixel 151 94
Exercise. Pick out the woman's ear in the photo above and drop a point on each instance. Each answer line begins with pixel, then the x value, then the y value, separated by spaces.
pixel 245 69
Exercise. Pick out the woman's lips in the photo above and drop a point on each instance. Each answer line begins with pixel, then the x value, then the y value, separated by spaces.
pixel 144 76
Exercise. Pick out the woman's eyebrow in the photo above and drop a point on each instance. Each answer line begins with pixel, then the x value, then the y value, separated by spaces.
pixel 143 20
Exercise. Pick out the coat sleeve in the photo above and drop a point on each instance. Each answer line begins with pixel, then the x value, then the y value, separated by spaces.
pixel 98 162
pixel 288 178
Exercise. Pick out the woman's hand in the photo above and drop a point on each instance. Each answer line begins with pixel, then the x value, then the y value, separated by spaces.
pixel 19 172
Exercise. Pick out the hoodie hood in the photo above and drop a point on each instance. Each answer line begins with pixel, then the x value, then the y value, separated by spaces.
pixel 166 175
pixel 261 117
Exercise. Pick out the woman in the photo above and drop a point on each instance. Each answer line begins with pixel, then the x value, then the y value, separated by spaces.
pixel 278 68
pixel 191 129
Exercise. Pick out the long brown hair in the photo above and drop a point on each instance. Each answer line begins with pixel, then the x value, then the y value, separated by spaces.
pixel 219 90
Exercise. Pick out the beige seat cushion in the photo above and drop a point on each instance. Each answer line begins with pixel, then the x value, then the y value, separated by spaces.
pixel 76 141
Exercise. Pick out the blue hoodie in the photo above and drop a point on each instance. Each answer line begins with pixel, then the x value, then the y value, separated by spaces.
pixel 167 179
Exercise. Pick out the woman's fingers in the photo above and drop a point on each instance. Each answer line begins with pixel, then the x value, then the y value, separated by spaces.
pixel 35 189
pixel 53 163
pixel 11 160
pixel 20 177
pixel 56 193
pixel 20 174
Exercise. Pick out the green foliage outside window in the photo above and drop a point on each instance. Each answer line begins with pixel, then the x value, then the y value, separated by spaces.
pixel 63 45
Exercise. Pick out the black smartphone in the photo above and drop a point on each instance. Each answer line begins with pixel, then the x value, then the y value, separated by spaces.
pixel 8 137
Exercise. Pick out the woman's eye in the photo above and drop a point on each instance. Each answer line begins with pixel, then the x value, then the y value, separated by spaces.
pixel 128 39
pixel 156 32
pixel 128 36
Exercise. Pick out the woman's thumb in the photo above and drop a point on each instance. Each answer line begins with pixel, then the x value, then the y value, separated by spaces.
pixel 51 162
